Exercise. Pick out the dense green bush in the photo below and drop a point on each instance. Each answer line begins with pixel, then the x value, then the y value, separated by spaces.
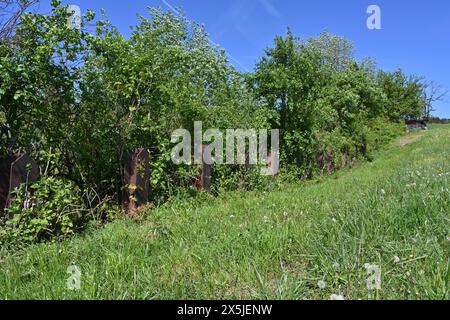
pixel 47 209
pixel 381 133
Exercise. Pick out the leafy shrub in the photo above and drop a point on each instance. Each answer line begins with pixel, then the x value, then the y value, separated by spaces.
pixel 381 132
pixel 48 209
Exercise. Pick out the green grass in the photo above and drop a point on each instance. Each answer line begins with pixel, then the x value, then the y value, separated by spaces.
pixel 275 245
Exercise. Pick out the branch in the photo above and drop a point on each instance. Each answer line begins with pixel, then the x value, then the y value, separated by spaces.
pixel 10 13
pixel 436 92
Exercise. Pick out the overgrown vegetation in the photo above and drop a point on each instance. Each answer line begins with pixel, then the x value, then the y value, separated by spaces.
pixel 77 101
pixel 393 213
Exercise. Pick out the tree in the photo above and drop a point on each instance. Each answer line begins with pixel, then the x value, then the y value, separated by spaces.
pixel 433 93
pixel 38 76
pixel 336 52
pixel 288 80
pixel 10 13
pixel 404 95
pixel 137 91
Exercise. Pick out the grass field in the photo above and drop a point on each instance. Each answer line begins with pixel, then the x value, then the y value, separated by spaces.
pixel 393 213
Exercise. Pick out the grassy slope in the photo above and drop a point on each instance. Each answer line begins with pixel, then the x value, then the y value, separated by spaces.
pixel 270 245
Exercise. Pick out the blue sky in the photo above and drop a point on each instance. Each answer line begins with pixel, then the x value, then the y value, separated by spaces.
pixel 415 34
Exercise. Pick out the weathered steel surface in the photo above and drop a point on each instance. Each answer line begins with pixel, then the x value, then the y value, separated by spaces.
pixel 14 171
pixel 203 180
pixel 5 171
pixel 23 170
pixel 136 180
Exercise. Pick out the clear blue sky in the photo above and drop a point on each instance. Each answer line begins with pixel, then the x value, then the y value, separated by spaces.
pixel 415 34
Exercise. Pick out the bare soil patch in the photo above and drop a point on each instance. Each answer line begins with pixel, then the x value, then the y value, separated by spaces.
pixel 408 140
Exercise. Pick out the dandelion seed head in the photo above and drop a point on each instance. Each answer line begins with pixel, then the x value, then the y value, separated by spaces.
pixel 322 284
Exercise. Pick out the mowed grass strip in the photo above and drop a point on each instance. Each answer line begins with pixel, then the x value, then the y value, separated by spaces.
pixel 393 213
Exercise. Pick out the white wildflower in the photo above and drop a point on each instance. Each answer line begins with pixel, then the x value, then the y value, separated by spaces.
pixel 397 259
pixel 322 284
pixel 336 297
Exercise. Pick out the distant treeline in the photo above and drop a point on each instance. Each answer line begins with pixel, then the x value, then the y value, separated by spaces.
pixel 439 120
